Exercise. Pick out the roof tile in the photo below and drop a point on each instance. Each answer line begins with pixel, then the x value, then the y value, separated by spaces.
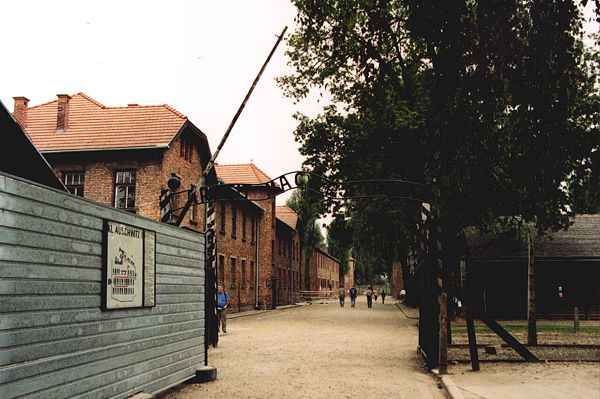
pixel 94 126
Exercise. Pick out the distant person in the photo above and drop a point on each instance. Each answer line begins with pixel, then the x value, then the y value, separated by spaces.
pixel 222 305
pixel 342 295
pixel 369 294
pixel 352 292
pixel 383 293
pixel 375 294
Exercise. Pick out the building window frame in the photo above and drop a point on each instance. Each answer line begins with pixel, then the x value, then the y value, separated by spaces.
pixel 222 217
pixel 221 270
pixel 125 179
pixel 253 228
pixel 74 181
pixel 186 149
pixel 243 273
pixel 233 222
pixel 244 223
pixel 252 272
pixel 233 270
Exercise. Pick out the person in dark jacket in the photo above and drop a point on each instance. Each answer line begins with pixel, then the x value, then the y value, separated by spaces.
pixel 353 293
pixel 369 294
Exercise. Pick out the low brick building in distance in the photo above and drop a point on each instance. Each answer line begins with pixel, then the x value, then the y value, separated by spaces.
pixel 324 271
pixel 117 156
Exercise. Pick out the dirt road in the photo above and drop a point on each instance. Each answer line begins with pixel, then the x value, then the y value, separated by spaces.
pixel 318 351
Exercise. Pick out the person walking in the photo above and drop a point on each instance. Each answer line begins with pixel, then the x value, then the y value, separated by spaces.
pixel 342 295
pixel 352 292
pixel 375 292
pixel 369 294
pixel 222 305
pixel 383 293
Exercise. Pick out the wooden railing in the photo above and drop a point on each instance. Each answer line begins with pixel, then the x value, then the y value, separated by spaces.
pixel 311 296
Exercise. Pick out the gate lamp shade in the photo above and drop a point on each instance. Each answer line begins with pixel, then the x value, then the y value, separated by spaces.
pixel 174 182
pixel 301 179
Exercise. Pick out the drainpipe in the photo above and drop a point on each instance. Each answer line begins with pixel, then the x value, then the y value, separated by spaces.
pixel 256 265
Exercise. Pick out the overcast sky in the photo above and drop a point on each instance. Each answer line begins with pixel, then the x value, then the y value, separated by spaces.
pixel 198 56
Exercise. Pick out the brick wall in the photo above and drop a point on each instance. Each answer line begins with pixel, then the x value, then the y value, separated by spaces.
pixel 266 232
pixel 287 262
pixel 239 283
pixel 325 271
pixel 152 170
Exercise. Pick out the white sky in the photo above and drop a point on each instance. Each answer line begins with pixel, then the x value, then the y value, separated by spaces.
pixel 198 56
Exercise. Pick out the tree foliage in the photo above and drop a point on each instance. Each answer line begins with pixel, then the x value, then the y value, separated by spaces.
pixel 494 108
pixel 307 206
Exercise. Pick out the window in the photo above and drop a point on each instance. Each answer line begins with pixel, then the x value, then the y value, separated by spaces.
pixel 125 189
pixel 74 182
pixel 253 232
pixel 233 272
pixel 243 274
pixel 222 217
pixel 233 223
pixel 221 276
pixel 251 273
pixel 243 226
pixel 185 150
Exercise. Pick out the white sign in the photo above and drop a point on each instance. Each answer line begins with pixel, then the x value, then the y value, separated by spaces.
pixel 124 274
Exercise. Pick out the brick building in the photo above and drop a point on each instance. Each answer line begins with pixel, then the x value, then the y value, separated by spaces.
pixel 118 156
pixel 276 252
pixel 287 255
pixel 324 271
pixel 124 156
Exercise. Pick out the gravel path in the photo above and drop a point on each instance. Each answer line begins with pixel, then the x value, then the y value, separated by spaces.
pixel 318 351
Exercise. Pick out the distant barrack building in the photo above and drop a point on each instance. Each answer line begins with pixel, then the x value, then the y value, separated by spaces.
pixel 324 271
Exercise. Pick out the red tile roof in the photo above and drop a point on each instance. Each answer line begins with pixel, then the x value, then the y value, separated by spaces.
pixel 287 215
pixel 241 174
pixel 94 126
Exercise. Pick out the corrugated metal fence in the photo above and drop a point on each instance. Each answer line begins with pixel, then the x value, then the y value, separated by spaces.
pixel 55 341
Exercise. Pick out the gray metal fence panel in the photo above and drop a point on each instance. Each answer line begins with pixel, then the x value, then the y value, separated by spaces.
pixel 55 341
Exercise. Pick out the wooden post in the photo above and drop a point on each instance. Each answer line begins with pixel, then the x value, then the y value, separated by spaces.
pixel 443 353
pixel 576 319
pixel 474 355
pixel 531 316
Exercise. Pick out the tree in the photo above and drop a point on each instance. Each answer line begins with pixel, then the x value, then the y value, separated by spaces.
pixel 308 207
pixel 339 241
pixel 488 106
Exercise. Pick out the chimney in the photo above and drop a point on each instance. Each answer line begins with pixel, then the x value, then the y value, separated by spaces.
pixel 62 113
pixel 20 110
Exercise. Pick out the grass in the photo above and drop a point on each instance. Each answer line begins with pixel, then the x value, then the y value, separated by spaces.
pixel 514 327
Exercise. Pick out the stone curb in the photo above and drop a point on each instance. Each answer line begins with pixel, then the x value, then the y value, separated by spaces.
pixel 259 312
pixel 451 388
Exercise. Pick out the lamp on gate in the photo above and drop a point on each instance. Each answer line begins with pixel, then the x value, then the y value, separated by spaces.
pixel 301 179
pixel 174 182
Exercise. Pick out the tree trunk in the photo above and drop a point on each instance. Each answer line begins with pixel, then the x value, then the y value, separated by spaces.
pixel 531 316
pixel 576 319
